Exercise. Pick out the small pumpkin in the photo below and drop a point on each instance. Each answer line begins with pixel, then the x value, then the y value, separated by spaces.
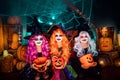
pixel 21 52
pixel 87 61
pixel 58 62
pixel 41 64
pixel 20 65
pixel 105 44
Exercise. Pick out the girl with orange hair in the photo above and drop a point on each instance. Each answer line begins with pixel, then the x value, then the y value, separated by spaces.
pixel 60 52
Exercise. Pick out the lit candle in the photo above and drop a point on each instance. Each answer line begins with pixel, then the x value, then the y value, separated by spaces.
pixel 118 39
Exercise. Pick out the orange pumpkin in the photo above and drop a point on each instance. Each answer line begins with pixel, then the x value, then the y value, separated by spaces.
pixel 21 52
pixel 105 44
pixel 87 61
pixel 20 65
pixel 41 64
pixel 58 62
pixel 40 60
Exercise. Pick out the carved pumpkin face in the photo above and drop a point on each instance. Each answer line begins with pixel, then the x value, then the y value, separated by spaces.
pixel 105 44
pixel 41 64
pixel 57 63
pixel 87 61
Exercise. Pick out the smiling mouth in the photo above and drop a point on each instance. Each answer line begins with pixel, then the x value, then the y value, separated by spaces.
pixel 84 40
pixel 58 39
pixel 38 42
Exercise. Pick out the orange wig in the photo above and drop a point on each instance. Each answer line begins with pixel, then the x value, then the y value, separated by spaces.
pixel 65 53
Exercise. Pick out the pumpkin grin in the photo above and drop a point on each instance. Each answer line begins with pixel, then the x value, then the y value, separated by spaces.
pixel 57 65
pixel 90 61
pixel 105 45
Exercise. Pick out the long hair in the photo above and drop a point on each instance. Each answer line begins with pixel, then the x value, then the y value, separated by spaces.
pixel 54 46
pixel 91 45
pixel 32 50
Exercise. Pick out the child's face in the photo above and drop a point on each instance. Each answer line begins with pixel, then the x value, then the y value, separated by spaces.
pixel 58 37
pixel 83 38
pixel 38 40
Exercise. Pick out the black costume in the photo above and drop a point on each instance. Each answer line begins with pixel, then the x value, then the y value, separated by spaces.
pixel 29 74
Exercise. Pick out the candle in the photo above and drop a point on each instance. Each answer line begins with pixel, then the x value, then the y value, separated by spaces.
pixel 118 39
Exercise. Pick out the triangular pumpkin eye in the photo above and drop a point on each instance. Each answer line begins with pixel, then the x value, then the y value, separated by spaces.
pixel 87 58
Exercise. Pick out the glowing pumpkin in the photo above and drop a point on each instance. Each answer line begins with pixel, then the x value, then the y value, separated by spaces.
pixel 105 44
pixel 41 64
pixel 58 62
pixel 87 61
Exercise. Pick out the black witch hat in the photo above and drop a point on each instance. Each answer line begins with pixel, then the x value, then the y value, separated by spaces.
pixel 35 27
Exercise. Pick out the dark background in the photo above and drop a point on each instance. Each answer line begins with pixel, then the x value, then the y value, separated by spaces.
pixel 104 12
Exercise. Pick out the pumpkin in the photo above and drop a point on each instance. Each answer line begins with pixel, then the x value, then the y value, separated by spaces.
pixel 58 62
pixel 105 44
pixel 21 52
pixel 87 61
pixel 15 41
pixel 41 64
pixel 20 65
pixel 14 20
pixel 40 60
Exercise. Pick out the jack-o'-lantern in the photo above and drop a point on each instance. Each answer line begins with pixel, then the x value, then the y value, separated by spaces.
pixel 58 62
pixel 87 61
pixel 105 44
pixel 41 64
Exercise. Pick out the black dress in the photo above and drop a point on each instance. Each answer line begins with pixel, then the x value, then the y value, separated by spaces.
pixel 29 74
pixel 92 73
